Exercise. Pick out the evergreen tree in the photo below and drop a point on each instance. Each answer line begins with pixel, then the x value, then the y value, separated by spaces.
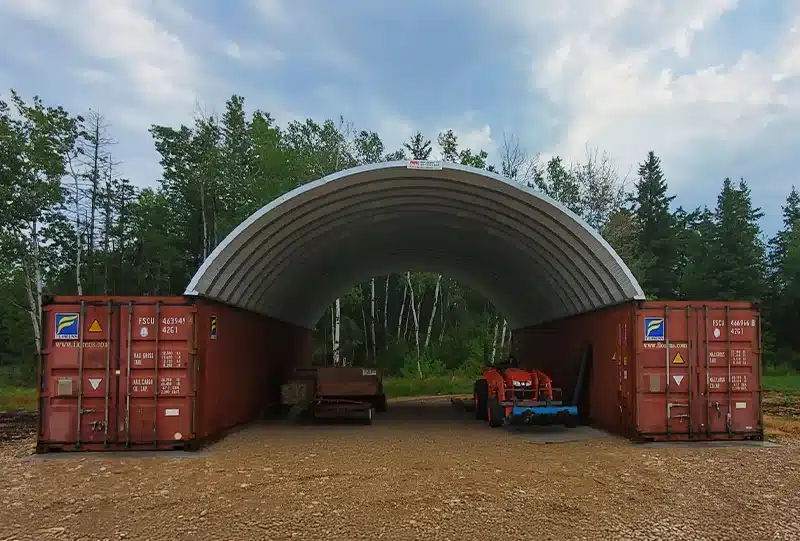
pixel 696 233
pixel 782 309
pixel 736 255
pixel 657 243
pixel 419 147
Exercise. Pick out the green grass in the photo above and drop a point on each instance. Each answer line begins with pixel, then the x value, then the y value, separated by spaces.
pixel 17 398
pixel 438 385
pixel 787 383
pixel 24 398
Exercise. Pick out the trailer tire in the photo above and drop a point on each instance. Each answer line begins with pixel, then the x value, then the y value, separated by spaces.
pixel 480 398
pixel 497 413
pixel 367 420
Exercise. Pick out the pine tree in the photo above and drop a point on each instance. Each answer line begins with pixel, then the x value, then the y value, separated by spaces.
pixel 657 243
pixel 419 147
pixel 736 255
pixel 696 232
pixel 779 245
pixel 782 309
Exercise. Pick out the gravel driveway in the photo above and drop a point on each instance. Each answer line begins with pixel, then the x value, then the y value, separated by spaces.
pixel 421 471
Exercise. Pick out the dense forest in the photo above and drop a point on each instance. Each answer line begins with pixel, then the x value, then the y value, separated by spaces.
pixel 70 224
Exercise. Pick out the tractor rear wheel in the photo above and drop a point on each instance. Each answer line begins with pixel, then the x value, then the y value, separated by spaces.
pixel 497 413
pixel 480 398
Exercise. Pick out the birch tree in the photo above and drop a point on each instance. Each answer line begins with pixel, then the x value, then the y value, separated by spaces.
pixel 416 320
pixel 433 311
pixel 35 142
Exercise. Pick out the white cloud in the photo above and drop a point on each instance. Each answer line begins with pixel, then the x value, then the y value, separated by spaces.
pixel 146 57
pixel 273 11
pixel 253 55
pixel 617 69
pixel 469 137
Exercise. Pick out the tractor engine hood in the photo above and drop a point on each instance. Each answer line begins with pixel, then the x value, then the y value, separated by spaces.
pixel 518 378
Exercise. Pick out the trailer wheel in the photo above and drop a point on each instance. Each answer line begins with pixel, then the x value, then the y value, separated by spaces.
pixel 480 397
pixel 497 413
pixel 370 413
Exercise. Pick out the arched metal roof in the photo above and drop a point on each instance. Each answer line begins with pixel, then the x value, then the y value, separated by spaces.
pixel 528 254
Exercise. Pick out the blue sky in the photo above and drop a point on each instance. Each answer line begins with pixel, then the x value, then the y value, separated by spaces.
pixel 713 86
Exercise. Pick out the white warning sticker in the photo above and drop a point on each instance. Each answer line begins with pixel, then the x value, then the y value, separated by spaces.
pixel 678 380
pixel 172 412
pixel 425 164
pixel 741 405
pixel 95 382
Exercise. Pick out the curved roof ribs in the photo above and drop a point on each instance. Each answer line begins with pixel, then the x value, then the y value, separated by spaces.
pixel 531 256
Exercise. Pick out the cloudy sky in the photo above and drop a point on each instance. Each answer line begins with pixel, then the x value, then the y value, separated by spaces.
pixel 713 86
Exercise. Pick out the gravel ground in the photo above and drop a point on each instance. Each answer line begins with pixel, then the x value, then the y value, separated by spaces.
pixel 413 474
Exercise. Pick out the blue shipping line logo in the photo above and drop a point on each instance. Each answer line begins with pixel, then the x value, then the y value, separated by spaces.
pixel 654 328
pixel 67 326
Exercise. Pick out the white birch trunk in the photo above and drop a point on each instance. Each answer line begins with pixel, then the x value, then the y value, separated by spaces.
pixel 402 309
pixel 205 219
pixel 503 337
pixel 416 320
pixel 386 313
pixel 372 319
pixel 364 322
pixel 78 242
pixel 433 311
pixel 337 321
pixel 32 311
pixel 33 285
pixel 494 341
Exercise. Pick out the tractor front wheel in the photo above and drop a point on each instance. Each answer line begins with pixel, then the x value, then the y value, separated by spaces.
pixel 480 397
pixel 497 413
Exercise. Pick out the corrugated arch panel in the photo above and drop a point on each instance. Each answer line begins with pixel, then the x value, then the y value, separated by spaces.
pixel 531 256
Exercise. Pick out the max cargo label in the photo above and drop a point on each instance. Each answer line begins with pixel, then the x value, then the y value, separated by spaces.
pixel 654 328
pixel 168 386
pixel 66 326
pixel 738 357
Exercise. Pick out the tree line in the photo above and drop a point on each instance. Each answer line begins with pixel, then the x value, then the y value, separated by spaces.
pixel 71 224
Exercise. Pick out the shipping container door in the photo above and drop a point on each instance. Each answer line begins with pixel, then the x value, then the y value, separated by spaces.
pixel 157 398
pixel 79 374
pixel 730 361
pixel 667 359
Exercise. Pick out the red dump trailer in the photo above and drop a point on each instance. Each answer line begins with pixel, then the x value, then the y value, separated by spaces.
pixel 655 370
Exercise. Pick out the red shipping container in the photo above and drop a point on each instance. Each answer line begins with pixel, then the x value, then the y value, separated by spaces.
pixel 661 371
pixel 101 387
pixel 657 370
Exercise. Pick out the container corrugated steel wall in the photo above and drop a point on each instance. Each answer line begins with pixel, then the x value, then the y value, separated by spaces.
pixel 659 370
pixel 558 347
pixel 101 387
pixel 664 371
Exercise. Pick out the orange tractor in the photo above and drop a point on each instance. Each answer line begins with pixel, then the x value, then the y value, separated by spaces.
pixel 507 394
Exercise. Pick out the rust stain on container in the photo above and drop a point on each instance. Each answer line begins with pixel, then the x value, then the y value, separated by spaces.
pixel 658 370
